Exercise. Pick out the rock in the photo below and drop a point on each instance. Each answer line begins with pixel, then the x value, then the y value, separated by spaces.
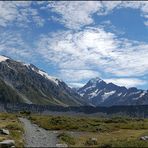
pixel 61 145
pixel 94 139
pixel 38 130
pixel 144 138
pixel 91 141
pixel 7 144
pixel 4 131
pixel 55 132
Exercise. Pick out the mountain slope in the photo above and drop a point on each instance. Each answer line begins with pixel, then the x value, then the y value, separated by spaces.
pixel 35 86
pixel 98 92
pixel 6 92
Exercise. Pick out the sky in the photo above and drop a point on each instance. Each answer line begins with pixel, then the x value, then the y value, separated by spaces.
pixel 79 40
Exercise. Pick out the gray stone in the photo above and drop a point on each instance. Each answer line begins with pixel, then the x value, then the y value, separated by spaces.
pixel 37 130
pixel 61 145
pixel 7 144
pixel 144 138
pixel 55 132
pixel 94 139
pixel 4 131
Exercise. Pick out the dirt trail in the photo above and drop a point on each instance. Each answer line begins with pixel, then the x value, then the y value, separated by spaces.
pixel 38 137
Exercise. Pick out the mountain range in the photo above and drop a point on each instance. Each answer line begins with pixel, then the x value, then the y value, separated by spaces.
pixel 98 92
pixel 25 83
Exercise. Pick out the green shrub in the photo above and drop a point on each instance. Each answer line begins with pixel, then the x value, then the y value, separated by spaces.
pixel 14 126
pixel 66 138
pixel 117 120
pixel 106 146
pixel 27 113
pixel 126 143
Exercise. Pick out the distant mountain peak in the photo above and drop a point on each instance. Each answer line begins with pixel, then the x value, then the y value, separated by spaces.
pixel 96 80
pixel 98 92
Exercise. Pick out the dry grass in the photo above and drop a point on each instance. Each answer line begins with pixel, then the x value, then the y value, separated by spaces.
pixel 11 122
pixel 112 137
pixel 116 132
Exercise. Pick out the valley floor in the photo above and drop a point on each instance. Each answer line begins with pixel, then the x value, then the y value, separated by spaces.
pixel 110 132
pixel 48 131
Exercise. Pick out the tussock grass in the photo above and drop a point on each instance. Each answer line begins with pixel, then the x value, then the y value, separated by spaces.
pixel 11 122
pixel 111 132
pixel 89 124
pixel 66 138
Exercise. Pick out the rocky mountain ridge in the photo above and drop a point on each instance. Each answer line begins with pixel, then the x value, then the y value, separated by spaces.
pixel 34 86
pixel 98 92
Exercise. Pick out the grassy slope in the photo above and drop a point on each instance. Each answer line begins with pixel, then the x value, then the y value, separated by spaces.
pixel 113 132
pixel 10 122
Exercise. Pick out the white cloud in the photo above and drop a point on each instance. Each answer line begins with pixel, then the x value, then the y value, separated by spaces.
pixel 140 5
pixel 128 82
pixel 19 13
pixel 108 6
pixel 76 85
pixel 146 23
pixel 73 75
pixel 94 49
pixel 79 54
pixel 75 14
pixel 12 44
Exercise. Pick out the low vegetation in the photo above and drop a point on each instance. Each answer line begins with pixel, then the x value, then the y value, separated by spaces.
pixel 89 124
pixel 110 132
pixel 81 131
pixel 11 123
pixel 66 138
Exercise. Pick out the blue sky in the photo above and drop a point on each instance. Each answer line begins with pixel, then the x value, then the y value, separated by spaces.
pixel 79 40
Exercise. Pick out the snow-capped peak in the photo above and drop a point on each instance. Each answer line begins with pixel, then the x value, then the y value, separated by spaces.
pixel 96 80
pixel 3 58
pixel 27 65
pixel 44 74
pixel 107 95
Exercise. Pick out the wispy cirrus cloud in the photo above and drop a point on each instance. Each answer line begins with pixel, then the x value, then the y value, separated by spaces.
pixel 76 14
pixel 79 52
pixel 72 14
pixel 95 50
pixel 73 75
pixel 13 45
pixel 128 82
pixel 19 13
pixel 76 85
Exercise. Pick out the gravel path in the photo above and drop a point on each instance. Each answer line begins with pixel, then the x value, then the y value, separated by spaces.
pixel 38 137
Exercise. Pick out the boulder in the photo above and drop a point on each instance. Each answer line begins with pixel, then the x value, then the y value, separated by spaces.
pixel 94 139
pixel 4 131
pixel 61 145
pixel 91 141
pixel 7 144
pixel 144 138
